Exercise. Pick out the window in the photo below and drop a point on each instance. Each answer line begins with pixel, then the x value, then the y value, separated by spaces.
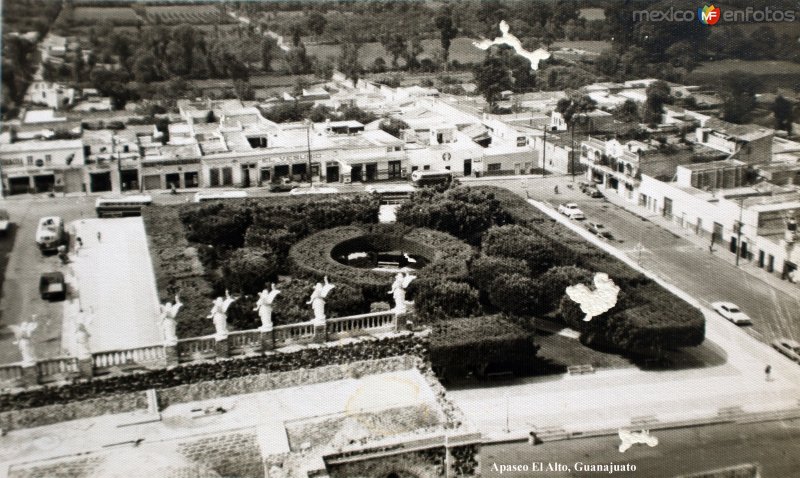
pixel 48 159
pixel 398 148
pixel 427 167
pixel 447 168
pixel 389 149
pixel 414 168
pixel 30 160
pixel 493 167
pixel 521 141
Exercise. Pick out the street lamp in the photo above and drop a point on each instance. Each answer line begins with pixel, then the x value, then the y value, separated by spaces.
pixel 739 230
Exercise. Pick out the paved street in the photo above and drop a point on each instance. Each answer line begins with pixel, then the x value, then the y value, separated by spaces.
pixel 677 259
pixel 772 444
pixel 22 263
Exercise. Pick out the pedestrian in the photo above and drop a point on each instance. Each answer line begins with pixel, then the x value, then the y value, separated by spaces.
pixel 78 245
pixel 555 189
pixel 99 236
pixel 767 372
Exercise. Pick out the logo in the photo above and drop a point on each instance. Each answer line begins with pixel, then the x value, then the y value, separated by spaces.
pixel 708 15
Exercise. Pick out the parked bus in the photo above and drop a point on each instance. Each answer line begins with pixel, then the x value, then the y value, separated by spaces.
pixel 431 178
pixel 391 193
pixel 122 206
pixel 50 233
pixel 217 195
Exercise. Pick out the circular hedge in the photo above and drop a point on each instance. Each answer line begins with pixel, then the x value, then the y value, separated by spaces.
pixel 314 255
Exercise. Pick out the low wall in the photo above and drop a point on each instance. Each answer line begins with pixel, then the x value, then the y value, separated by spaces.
pixel 39 416
pixel 230 454
pixel 198 382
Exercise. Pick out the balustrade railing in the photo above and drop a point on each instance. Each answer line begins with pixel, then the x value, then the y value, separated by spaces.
pixel 10 373
pixel 244 342
pixel 197 348
pixel 203 348
pixel 301 333
pixel 363 324
pixel 142 357
pixel 60 368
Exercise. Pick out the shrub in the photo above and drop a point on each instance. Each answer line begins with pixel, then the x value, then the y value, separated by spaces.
pixel 462 212
pixel 519 243
pixel 474 344
pixel 483 270
pixel 438 300
pixel 551 286
pixel 514 294
pixel 248 269
pixel 219 224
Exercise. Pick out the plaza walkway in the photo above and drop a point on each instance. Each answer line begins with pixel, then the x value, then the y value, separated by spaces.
pixel 116 286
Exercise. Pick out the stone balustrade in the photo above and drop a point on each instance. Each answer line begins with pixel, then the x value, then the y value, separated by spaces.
pixel 238 343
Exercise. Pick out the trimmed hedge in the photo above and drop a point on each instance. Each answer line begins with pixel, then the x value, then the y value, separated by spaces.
pixel 314 256
pixel 475 343
pixel 646 318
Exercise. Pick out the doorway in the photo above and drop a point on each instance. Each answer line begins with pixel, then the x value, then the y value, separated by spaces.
pixel 332 173
pixel 44 183
pixel 100 182
pixel 173 180
pixel 372 172
pixel 467 167
pixel 357 173
pixel 129 179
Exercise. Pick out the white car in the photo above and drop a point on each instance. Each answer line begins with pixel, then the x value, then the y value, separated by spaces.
pixel 788 347
pixel 731 312
pixel 571 210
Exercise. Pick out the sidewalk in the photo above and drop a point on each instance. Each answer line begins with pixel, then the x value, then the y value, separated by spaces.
pixel 720 252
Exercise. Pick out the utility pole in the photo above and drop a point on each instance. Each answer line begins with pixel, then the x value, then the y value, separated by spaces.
pixel 308 143
pixel 544 151
pixel 739 231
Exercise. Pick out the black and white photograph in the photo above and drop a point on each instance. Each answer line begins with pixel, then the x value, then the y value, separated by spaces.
pixel 399 238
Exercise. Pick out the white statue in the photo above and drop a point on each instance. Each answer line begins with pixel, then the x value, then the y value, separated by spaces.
pixel 219 314
pixel 23 333
pixel 264 307
pixel 630 438
pixel 595 302
pixel 317 301
pixel 508 39
pixel 82 349
pixel 168 322
pixel 398 292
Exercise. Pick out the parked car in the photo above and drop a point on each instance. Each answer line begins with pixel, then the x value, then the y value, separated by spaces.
pixel 732 312
pixel 788 347
pixel 571 210
pixel 5 222
pixel 593 192
pixel 52 286
pixel 283 186
pixel 599 230
pixel 583 186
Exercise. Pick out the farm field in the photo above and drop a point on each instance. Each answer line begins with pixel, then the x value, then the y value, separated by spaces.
pixel 115 15
pixel 191 14
pixel 461 50
pixel 772 73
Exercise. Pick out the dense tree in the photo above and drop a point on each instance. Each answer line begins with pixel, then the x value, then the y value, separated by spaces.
pixel 551 286
pixel 395 45
pixel 246 270
pixel 739 95
pixel 316 23
pixel 348 60
pixel 627 112
pixel 447 32
pixel 782 110
pixel 658 94
pixel 492 78
pixel 393 126
pixel 268 47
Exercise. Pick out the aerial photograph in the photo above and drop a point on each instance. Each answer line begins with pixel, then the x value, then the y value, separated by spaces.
pixel 399 238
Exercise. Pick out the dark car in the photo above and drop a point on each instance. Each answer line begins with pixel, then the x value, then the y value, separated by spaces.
pixel 52 286
pixel 282 187
pixel 592 191
pixel 599 230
